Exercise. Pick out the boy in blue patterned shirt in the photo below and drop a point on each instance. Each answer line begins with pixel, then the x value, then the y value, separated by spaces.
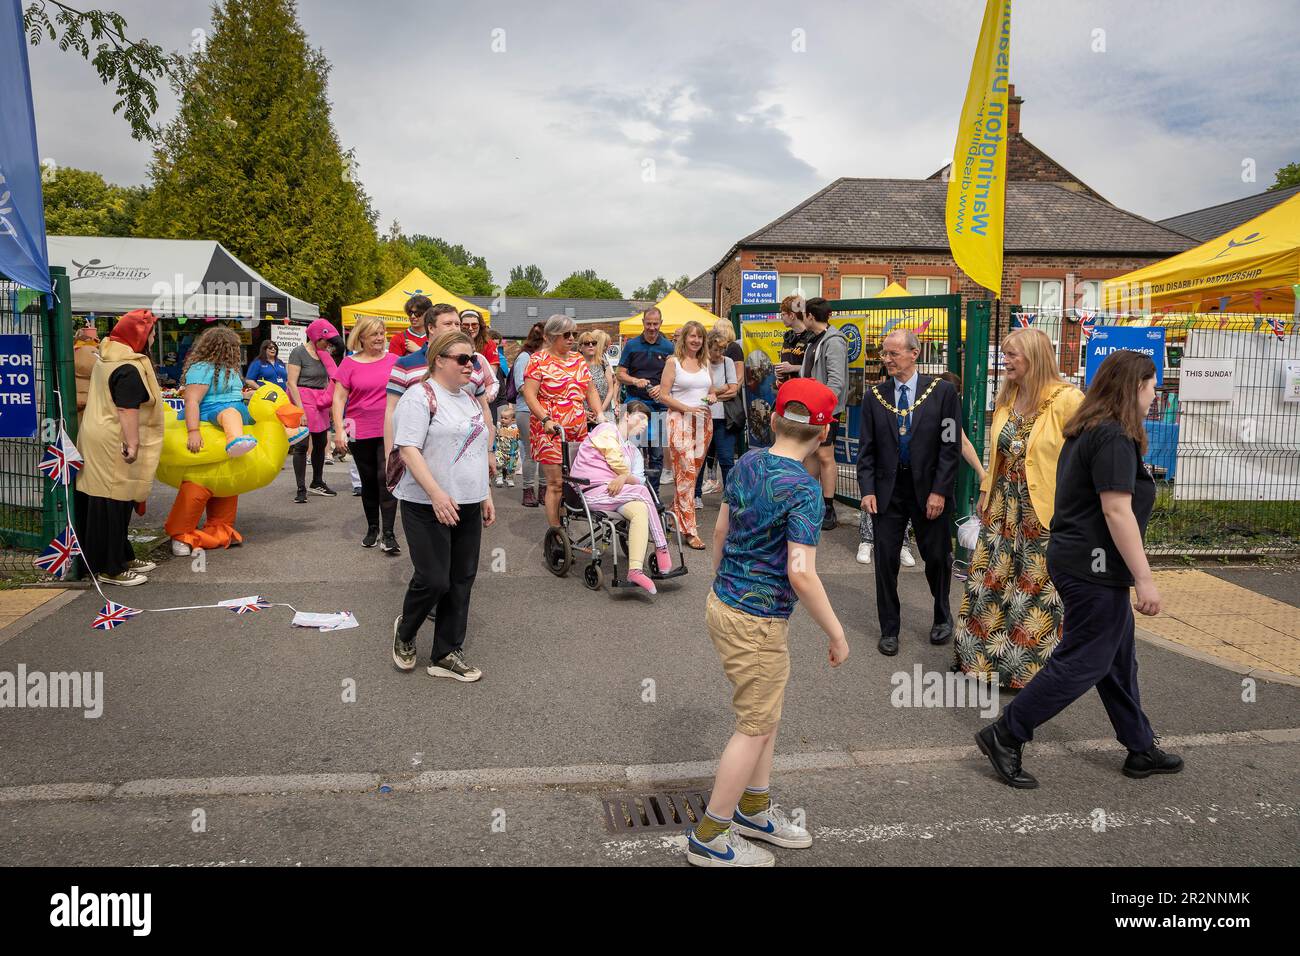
pixel 764 552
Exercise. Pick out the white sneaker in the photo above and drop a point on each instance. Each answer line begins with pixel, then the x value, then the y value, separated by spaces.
pixel 864 552
pixel 773 826
pixel 500 482
pixel 906 557
pixel 727 849
pixel 510 482
pixel 699 504
pixel 180 548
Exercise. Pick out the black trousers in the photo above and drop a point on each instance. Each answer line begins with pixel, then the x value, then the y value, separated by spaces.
pixel 378 501
pixel 932 540
pixel 317 441
pixel 101 525
pixel 445 559
pixel 1097 649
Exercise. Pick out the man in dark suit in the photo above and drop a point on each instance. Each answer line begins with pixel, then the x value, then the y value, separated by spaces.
pixel 909 447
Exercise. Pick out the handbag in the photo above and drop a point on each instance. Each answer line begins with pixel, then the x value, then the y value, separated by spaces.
pixel 968 532
pixel 733 409
pixel 394 467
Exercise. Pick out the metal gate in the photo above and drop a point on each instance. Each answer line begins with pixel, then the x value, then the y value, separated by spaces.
pixel 944 339
pixel 31 513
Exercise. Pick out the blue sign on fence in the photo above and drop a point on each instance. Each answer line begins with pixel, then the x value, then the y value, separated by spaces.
pixel 1116 338
pixel 757 287
pixel 17 387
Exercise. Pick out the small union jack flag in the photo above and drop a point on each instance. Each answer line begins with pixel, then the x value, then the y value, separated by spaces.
pixel 1026 319
pixel 258 605
pixel 1277 324
pixel 61 460
pixel 57 558
pixel 112 616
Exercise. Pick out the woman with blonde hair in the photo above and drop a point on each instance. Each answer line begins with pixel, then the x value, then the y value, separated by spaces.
pixel 688 391
pixel 360 401
pixel 593 345
pixel 1010 619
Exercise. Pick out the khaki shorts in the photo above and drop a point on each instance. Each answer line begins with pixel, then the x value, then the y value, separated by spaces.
pixel 755 659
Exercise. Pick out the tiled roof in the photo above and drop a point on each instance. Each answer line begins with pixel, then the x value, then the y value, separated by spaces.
pixel 518 314
pixel 909 214
pixel 701 287
pixel 1205 224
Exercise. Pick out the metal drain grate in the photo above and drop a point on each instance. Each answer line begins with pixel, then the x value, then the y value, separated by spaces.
pixel 637 812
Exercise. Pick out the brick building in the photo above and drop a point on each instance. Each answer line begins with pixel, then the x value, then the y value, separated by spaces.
pixel 854 237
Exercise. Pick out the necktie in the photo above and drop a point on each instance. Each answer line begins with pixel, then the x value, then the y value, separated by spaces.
pixel 904 429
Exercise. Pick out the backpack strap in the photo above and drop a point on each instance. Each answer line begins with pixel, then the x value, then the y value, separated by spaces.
pixel 430 397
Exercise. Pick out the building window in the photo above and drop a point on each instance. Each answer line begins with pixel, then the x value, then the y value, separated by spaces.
pixel 807 286
pixel 532 311
pixel 861 287
pixel 1042 298
pixel 927 285
pixel 1087 295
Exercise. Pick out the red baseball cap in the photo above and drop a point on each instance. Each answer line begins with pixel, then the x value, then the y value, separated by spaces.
pixel 813 395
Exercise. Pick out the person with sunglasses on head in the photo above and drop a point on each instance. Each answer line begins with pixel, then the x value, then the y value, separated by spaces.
pixel 592 346
pixel 472 324
pixel 415 337
pixel 559 391
pixel 528 470
pixel 442 436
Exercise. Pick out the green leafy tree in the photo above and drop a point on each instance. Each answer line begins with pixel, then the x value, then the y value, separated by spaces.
pixel 1288 175
pixel 585 285
pixel 531 274
pixel 134 66
pixel 522 288
pixel 252 160
pixel 474 268
pixel 660 287
pixel 78 202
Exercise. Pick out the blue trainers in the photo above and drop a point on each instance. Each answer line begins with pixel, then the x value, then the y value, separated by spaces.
pixel 772 826
pixel 726 849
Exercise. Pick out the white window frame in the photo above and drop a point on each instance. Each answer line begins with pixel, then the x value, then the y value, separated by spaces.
pixel 862 280
pixel 1050 320
pixel 947 284
pixel 799 288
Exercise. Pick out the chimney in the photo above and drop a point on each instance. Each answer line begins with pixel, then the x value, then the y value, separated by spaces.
pixel 1013 111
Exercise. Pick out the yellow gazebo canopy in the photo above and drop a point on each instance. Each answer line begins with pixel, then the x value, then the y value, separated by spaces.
pixel 391 305
pixel 892 290
pixel 676 310
pixel 1261 255
pixel 930 323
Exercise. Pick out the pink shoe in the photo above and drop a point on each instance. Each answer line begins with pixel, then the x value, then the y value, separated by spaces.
pixel 240 446
pixel 664 559
pixel 638 577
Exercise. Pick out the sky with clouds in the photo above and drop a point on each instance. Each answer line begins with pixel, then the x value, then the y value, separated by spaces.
pixel 643 139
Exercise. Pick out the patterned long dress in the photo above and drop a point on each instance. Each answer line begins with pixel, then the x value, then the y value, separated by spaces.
pixel 562 391
pixel 1010 619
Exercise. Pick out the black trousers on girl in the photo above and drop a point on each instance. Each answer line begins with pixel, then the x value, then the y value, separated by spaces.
pixel 1097 649
pixel 445 559
pixel 317 441
pixel 368 453
pixel 101 525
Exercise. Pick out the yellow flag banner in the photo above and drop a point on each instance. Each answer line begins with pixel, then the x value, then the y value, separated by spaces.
pixel 977 181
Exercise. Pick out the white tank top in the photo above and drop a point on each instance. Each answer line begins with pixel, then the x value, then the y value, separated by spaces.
pixel 689 388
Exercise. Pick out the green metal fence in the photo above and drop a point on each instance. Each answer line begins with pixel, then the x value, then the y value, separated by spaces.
pixel 32 509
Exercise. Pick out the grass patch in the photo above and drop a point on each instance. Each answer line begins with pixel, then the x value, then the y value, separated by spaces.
pixel 1228 525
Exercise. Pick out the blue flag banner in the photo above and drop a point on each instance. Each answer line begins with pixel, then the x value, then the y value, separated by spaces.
pixel 23 256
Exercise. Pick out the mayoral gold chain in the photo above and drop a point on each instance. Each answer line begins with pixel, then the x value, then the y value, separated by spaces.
pixel 905 413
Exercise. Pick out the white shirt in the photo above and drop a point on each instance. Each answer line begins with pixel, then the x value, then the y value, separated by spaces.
pixel 453 442
pixel 689 388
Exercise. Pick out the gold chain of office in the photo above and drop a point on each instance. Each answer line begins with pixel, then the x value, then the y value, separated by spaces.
pixel 905 412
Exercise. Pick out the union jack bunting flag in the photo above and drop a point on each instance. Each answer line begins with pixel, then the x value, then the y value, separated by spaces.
pixel 258 605
pixel 1026 319
pixel 57 558
pixel 1277 324
pixel 61 460
pixel 112 616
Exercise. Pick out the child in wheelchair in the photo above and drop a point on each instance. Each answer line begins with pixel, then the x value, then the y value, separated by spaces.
pixel 611 473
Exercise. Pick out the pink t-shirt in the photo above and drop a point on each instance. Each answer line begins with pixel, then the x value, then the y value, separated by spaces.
pixel 367 384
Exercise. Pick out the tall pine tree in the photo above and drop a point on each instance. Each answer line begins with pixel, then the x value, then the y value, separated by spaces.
pixel 252 161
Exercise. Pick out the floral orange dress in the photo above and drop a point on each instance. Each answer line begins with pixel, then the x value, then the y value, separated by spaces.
pixel 1010 619
pixel 562 390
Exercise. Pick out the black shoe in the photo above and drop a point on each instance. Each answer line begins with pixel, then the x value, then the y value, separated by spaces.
pixel 403 653
pixel 1005 759
pixel 371 538
pixel 830 521
pixel 888 644
pixel 1142 765
pixel 320 488
pixel 301 497
pixel 941 634
pixel 356 492
pixel 389 544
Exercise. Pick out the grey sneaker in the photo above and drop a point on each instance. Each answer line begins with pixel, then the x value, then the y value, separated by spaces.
pixel 127 579
pixel 727 849
pixel 141 566
pixel 403 653
pixel 456 667
pixel 772 826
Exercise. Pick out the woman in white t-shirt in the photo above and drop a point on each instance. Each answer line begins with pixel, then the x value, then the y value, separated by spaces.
pixel 446 503
pixel 687 389
pixel 722 443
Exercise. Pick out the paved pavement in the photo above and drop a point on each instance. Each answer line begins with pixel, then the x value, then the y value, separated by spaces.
pixel 573 679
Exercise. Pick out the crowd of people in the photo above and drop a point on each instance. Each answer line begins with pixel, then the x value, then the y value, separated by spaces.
pixel 434 417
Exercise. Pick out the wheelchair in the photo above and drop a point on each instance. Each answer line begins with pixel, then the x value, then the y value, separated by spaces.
pixel 590 533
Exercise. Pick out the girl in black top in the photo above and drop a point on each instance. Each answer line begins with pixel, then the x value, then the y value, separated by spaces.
pixel 1104 497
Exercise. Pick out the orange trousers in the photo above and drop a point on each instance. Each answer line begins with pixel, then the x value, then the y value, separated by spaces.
pixel 191 502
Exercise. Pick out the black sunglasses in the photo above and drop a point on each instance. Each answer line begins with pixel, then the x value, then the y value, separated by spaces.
pixel 462 359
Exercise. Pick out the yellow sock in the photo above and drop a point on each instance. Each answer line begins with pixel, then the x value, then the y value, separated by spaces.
pixel 754 801
pixel 638 533
pixel 710 828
